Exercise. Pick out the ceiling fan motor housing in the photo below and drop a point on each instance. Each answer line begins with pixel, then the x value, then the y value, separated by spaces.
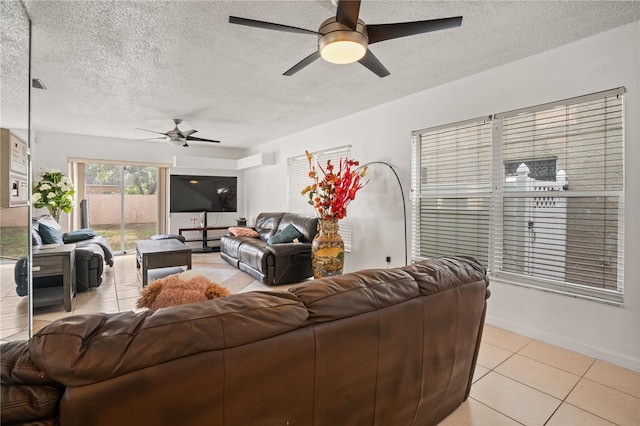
pixel 340 44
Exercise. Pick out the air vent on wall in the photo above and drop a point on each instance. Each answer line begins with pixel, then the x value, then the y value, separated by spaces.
pixel 37 83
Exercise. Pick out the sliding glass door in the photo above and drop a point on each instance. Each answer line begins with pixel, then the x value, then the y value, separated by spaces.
pixel 122 203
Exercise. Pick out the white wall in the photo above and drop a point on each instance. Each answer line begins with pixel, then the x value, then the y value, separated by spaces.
pixel 52 150
pixel 601 62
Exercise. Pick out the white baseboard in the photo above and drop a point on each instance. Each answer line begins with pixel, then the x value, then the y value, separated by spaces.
pixel 569 344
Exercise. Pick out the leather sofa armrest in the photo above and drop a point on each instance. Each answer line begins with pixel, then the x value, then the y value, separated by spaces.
pixel 90 250
pixel 30 404
pixel 21 277
pixel 27 393
pixel 107 251
pixel 289 249
pixel 231 234
pixel 17 366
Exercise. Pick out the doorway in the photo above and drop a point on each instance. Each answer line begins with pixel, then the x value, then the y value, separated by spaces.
pixel 122 203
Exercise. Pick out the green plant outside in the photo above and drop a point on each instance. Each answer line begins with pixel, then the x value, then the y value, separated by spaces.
pixel 14 240
pixel 132 232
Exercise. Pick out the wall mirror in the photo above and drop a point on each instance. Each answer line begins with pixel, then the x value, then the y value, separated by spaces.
pixel 15 216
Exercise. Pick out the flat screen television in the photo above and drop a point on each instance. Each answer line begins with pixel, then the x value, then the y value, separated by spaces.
pixel 203 193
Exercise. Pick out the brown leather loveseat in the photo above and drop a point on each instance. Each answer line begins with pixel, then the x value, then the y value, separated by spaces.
pixel 273 264
pixel 385 347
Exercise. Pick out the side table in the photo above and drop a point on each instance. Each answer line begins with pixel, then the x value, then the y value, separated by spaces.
pixel 50 262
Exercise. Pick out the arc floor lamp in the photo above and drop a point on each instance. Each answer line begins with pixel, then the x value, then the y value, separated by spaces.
pixel 404 204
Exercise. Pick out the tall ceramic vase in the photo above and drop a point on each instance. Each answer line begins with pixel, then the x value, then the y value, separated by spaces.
pixel 327 250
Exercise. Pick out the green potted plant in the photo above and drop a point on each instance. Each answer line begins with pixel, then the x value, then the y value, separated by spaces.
pixel 54 191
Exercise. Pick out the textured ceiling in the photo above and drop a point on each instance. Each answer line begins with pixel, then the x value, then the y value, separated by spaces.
pixel 113 66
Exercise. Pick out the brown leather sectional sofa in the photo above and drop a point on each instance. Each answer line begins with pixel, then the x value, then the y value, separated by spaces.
pixel 377 347
pixel 273 264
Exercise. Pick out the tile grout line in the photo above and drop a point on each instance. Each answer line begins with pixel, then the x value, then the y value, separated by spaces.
pixel 531 387
pixel 564 400
pixel 493 409
pixel 493 370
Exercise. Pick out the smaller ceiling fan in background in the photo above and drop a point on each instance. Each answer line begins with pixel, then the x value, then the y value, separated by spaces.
pixel 345 38
pixel 178 137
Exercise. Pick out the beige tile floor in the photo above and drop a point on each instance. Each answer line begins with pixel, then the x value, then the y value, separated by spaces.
pixel 518 380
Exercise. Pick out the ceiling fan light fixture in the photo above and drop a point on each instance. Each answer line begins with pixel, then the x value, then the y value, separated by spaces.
pixel 339 44
pixel 343 52
pixel 174 142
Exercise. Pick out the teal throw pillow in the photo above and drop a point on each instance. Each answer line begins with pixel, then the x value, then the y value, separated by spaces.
pixel 79 235
pixel 49 235
pixel 287 235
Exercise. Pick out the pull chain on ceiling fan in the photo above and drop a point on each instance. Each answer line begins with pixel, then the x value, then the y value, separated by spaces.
pixel 345 38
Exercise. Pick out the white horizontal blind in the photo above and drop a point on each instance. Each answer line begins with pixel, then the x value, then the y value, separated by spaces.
pixel 298 179
pixel 565 232
pixel 452 193
pixel 541 201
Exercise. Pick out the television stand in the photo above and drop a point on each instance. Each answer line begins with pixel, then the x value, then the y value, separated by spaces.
pixel 204 237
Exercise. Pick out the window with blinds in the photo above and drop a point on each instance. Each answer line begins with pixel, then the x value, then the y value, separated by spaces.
pixel 562 229
pixel 451 192
pixel 298 178
pixel 565 234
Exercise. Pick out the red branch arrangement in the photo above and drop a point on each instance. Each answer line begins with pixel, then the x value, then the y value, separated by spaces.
pixel 331 194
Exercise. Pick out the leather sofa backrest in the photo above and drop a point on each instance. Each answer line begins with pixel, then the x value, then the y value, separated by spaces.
pixel 96 347
pixel 80 350
pixel 307 225
pixel 344 296
pixel 444 273
pixel 267 224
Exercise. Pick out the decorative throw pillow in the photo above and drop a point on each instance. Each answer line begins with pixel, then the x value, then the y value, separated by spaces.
pixel 78 235
pixel 240 231
pixel 49 235
pixel 178 289
pixel 48 220
pixel 36 239
pixel 287 235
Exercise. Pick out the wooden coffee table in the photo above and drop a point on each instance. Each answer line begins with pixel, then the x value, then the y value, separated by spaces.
pixel 154 254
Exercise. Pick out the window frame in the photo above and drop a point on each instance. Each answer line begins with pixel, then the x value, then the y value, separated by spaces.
pixel 499 195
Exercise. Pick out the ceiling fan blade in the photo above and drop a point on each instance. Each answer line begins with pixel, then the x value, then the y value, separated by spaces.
pixel 185 133
pixel 152 131
pixel 268 25
pixel 347 13
pixel 370 61
pixel 303 63
pixel 193 138
pixel 383 32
